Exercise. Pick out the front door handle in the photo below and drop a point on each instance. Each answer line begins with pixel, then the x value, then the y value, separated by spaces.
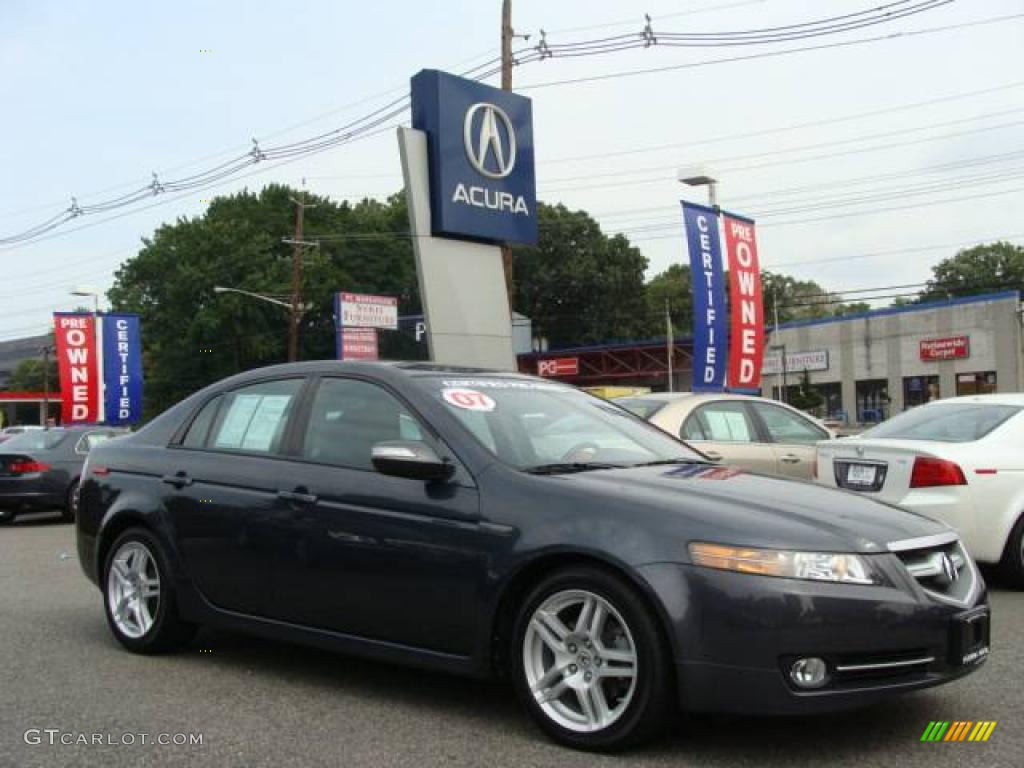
pixel 298 496
pixel 790 458
pixel 179 480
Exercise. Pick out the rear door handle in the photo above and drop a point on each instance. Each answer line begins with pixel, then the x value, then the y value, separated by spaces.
pixel 178 480
pixel 298 496
pixel 789 458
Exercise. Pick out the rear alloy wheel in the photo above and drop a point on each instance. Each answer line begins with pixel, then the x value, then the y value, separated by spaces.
pixel 1012 564
pixel 590 664
pixel 139 596
pixel 70 511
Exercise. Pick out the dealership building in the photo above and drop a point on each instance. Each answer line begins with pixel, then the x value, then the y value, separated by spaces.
pixel 872 365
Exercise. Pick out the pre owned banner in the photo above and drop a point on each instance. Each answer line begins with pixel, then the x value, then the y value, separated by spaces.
pixel 122 368
pixel 709 334
pixel 78 367
pixel 746 308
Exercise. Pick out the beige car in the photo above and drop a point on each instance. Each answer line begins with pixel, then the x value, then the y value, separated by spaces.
pixel 750 432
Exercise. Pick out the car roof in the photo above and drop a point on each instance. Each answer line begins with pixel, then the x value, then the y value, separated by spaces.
pixel 669 397
pixel 1003 398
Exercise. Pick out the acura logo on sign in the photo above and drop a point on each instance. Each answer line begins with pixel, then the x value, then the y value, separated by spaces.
pixel 491 150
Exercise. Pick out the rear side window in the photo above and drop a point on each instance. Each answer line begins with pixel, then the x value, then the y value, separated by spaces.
pixel 200 428
pixel 959 423
pixel 723 422
pixel 253 419
pixel 787 427
pixel 645 409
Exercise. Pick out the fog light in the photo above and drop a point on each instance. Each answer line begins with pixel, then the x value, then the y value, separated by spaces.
pixel 810 672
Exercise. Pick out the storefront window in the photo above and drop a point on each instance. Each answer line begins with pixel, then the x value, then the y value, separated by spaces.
pixel 918 390
pixel 872 401
pixel 976 383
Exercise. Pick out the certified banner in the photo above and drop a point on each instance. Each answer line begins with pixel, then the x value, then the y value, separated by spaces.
pixel 746 308
pixel 709 333
pixel 122 368
pixel 78 367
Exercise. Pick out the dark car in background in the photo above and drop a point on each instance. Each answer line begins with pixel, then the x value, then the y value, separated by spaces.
pixel 40 468
pixel 492 523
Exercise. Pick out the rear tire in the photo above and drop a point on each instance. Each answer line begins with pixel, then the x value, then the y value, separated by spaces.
pixel 1012 564
pixel 589 663
pixel 139 597
pixel 70 511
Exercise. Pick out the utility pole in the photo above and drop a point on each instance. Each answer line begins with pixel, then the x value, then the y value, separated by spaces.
pixel 296 300
pixel 506 85
pixel 669 345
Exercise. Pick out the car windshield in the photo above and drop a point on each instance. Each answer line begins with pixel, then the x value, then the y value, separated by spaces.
pixel 642 407
pixel 35 440
pixel 952 423
pixel 535 425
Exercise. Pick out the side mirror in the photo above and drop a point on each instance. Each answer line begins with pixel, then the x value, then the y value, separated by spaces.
pixel 410 459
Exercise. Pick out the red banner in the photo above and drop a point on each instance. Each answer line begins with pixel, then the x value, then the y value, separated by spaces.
pixel 746 308
pixel 78 366
pixel 358 343
pixel 559 366
pixel 947 348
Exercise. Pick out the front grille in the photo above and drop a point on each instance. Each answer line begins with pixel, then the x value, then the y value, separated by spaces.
pixel 941 566
pixel 888 667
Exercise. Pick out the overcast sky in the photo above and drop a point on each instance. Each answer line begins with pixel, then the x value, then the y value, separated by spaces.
pixel 853 158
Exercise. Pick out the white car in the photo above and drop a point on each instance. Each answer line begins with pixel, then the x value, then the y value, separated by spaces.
pixel 959 460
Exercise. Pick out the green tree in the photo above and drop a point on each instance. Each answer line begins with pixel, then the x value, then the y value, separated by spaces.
pixel 192 336
pixel 27 376
pixel 804 396
pixel 982 269
pixel 579 285
pixel 801 299
pixel 674 286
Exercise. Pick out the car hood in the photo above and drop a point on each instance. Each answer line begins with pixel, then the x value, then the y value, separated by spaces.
pixel 730 506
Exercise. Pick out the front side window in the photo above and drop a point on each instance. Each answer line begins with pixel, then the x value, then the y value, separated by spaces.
pixel 531 424
pixel 91 440
pixel 349 417
pixel 959 423
pixel 253 419
pixel 722 422
pixel 787 427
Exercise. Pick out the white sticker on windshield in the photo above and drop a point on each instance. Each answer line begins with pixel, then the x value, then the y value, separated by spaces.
pixel 469 400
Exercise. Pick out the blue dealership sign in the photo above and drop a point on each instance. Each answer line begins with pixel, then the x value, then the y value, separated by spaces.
pixel 710 356
pixel 480 157
pixel 122 369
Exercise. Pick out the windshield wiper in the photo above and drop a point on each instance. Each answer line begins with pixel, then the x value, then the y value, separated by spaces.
pixel 662 462
pixel 565 467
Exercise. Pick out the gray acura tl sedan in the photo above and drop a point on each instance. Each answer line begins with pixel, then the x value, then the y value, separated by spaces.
pixel 497 524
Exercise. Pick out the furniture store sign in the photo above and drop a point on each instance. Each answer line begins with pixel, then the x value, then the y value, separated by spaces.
pixel 797 362
pixel 480 158
pixel 99 363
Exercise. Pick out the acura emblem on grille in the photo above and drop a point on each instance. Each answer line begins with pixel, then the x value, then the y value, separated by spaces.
pixel 949 571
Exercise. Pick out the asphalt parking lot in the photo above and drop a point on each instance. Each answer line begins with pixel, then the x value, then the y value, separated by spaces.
pixel 259 703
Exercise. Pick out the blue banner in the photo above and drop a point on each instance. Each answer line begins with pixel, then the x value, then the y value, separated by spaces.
pixel 122 369
pixel 710 356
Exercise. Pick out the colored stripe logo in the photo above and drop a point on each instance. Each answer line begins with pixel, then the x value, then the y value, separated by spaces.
pixel 958 730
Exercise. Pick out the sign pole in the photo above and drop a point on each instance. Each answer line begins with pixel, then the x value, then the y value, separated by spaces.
pixel 506 85
pixel 669 345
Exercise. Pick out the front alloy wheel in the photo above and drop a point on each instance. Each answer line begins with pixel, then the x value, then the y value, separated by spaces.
pixel 589 660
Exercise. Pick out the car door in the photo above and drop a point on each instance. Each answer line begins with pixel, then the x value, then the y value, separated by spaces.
pixel 220 489
pixel 727 432
pixel 793 438
pixel 372 555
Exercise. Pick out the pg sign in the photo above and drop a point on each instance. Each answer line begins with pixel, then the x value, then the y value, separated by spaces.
pixel 480 158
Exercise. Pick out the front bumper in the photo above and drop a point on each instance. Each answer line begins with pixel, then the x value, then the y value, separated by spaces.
pixel 735 636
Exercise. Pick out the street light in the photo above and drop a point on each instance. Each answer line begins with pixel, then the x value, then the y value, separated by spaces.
pixel 296 312
pixel 699 176
pixel 81 290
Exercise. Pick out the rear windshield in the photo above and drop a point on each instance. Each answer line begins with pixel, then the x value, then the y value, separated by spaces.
pixel 638 406
pixel 961 423
pixel 34 440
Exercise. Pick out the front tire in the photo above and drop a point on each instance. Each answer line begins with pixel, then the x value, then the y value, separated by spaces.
pixel 589 663
pixel 138 595
pixel 1012 564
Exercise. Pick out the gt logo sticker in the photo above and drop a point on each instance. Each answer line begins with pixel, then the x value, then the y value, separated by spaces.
pixel 469 400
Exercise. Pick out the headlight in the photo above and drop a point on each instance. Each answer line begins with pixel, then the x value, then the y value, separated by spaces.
pixel 816 566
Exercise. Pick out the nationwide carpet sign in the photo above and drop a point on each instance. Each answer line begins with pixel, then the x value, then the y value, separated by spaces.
pixel 99 362
pixel 708 279
pixel 725 356
pixel 480 157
